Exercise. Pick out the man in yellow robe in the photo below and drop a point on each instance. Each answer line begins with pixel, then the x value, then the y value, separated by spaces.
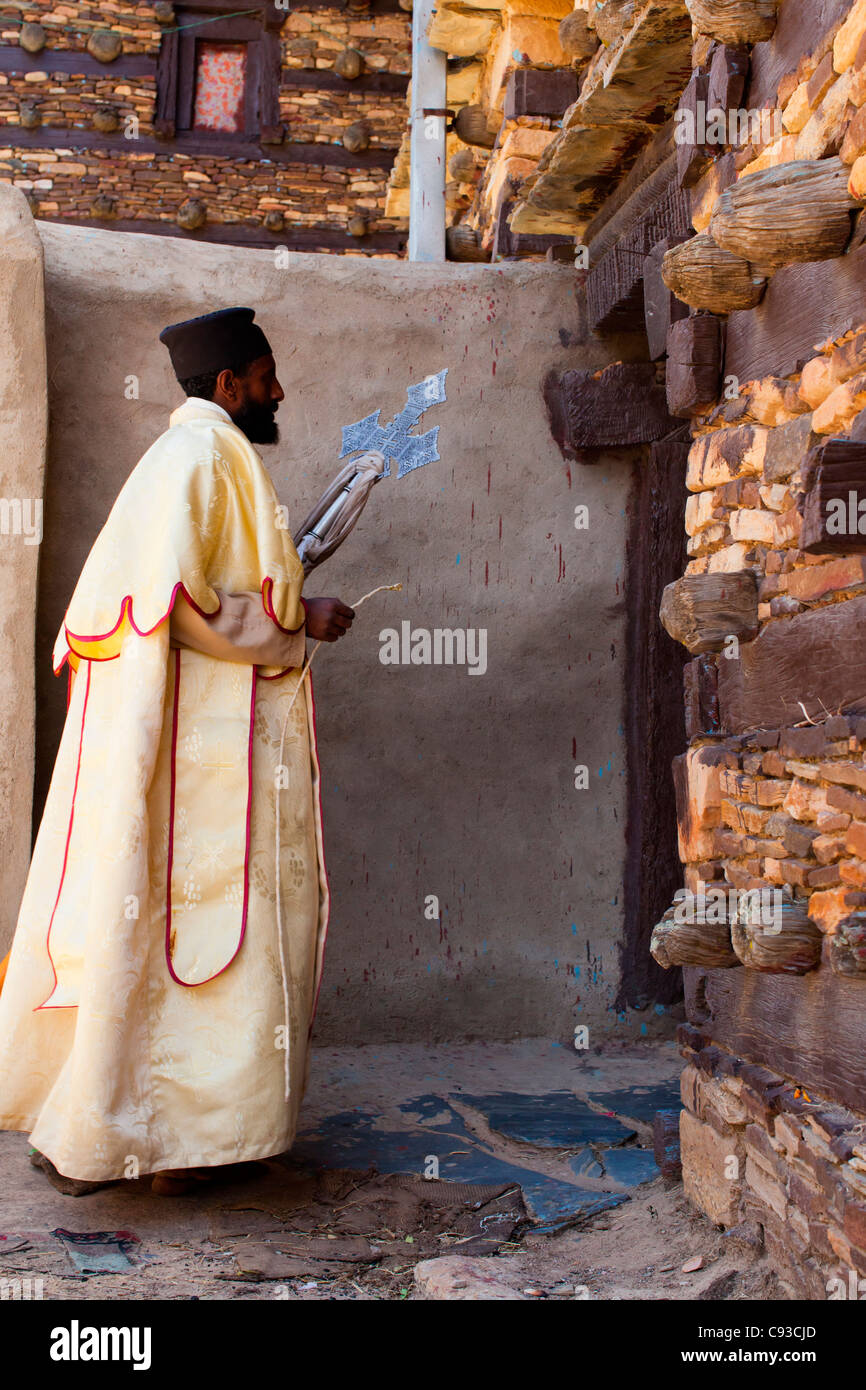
pixel 156 1013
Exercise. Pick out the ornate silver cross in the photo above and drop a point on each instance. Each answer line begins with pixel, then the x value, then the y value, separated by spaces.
pixel 396 440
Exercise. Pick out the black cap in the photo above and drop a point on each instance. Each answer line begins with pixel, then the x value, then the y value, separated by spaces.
pixel 227 338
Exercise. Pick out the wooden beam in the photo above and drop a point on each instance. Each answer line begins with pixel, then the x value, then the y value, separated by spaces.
pixel 621 406
pixel 799 667
pixel 375 7
pixel 694 367
pixel 810 1029
pixel 327 80
pixel 781 941
pixel 515 246
pixel 614 286
pixel 703 275
pixel 240 234
pixel 655 732
pixel 196 143
pixel 704 610
pixel 693 156
pixel 802 305
pixel 661 307
pixel 834 490
pixel 799 211
pixel 653 172
pixel 738 21
pixel 14 60
pixel 614 292
pixel 269 88
pixel 165 114
pixel 540 92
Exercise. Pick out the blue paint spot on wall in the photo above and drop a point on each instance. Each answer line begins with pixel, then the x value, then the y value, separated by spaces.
pixel 574 929
pixel 457 560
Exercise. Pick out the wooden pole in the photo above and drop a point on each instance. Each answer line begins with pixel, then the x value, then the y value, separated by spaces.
pixel 427 167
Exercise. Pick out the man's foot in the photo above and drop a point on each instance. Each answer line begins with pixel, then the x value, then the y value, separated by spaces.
pixel 176 1182
pixel 70 1187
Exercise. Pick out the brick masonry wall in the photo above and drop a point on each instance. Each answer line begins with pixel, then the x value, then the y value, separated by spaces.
pixel 759 1152
pixel 153 187
pixel 788 809
pixel 63 183
pixel 782 807
pixel 69 26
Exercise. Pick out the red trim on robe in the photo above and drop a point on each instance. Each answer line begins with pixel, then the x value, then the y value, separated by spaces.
pixel 45 1004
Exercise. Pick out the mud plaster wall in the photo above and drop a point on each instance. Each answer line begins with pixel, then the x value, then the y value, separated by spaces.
pixel 23 426
pixel 434 781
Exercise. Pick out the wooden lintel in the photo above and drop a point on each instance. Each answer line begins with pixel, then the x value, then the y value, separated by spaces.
pixel 803 305
pixel 811 1029
pixel 327 80
pixel 14 60
pixel 799 668
pixel 653 172
pixel 622 406
pixel 290 152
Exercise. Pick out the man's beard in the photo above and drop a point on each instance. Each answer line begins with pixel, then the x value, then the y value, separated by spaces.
pixel 258 423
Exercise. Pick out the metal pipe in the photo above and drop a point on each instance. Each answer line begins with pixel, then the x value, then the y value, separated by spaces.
pixel 427 165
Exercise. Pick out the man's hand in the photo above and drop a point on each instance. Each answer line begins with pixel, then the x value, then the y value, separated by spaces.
pixel 327 618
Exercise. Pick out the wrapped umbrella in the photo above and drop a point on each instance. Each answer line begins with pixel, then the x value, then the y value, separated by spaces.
pixel 337 510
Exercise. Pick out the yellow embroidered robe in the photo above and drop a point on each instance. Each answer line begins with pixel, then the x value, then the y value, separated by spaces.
pixel 142 1022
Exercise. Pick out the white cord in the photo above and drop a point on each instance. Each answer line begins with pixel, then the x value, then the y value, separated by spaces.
pixel 383 588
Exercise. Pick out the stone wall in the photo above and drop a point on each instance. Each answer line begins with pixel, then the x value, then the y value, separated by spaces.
pixel 153 188
pixel 568 94
pixel 777 1166
pixel 89 177
pixel 771 374
pixel 783 807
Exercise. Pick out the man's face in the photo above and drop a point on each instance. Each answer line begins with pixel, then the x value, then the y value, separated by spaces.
pixel 259 396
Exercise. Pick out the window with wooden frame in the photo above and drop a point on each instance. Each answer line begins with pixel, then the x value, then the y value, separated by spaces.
pixel 218 75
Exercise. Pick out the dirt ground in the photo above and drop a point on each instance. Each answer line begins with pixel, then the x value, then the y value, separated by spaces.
pixel 349 1215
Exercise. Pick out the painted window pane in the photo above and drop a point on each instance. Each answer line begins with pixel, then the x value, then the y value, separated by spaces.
pixel 220 74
